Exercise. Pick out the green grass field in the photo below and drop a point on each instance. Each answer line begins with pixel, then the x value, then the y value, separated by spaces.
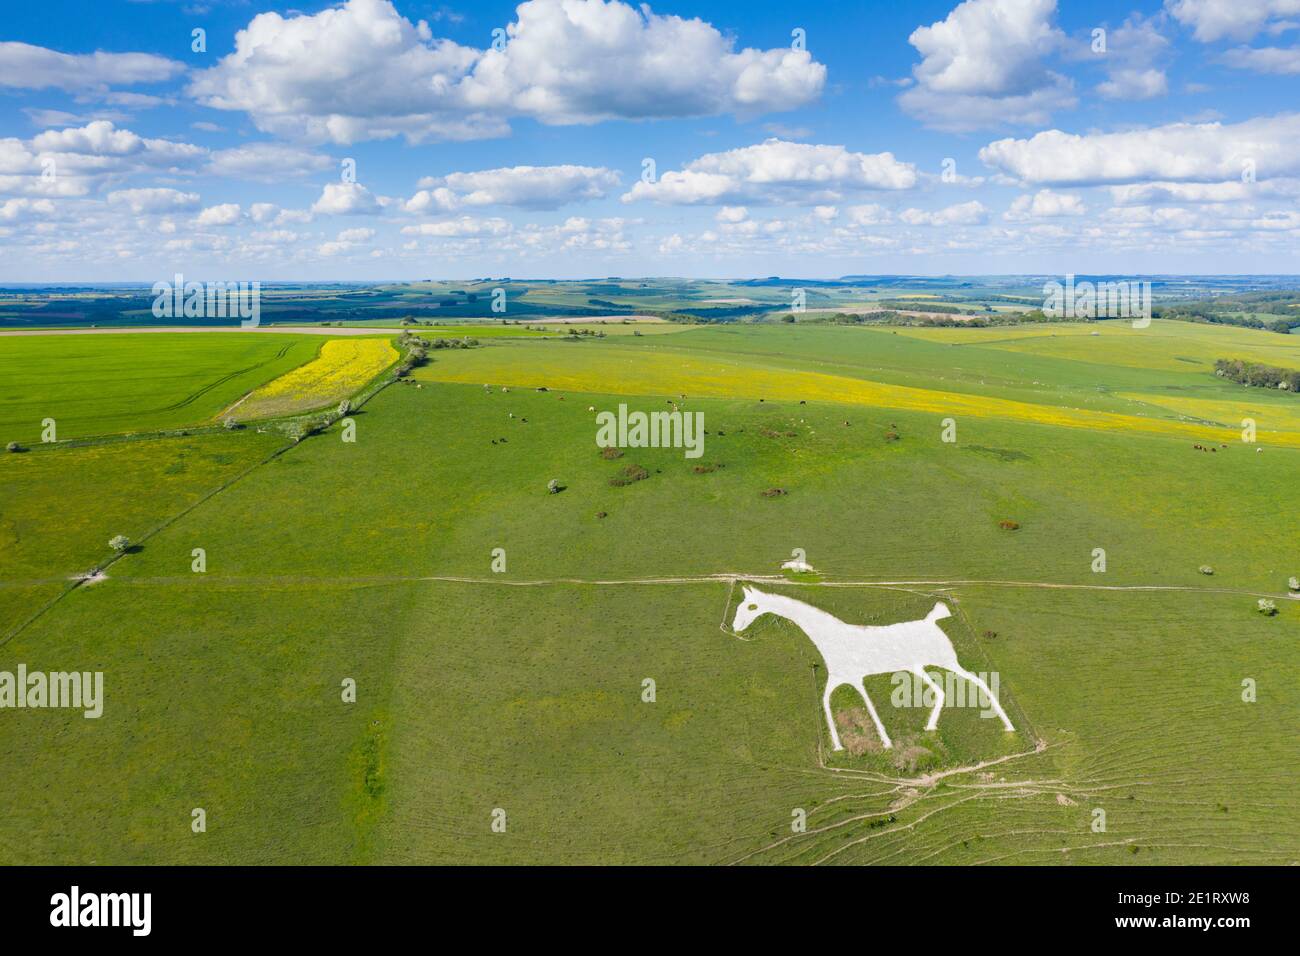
pixel 108 384
pixel 522 691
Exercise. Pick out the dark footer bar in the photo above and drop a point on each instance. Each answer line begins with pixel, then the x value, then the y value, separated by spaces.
pixel 338 906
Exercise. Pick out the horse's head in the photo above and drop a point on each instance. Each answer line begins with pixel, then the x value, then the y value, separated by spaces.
pixel 750 607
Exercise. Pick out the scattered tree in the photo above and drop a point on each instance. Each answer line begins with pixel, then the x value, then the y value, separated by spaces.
pixel 119 543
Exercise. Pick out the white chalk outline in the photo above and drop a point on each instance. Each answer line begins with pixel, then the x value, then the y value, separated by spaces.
pixel 853 652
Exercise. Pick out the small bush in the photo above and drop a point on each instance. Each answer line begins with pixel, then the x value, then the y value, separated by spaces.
pixel 13 446
pixel 609 454
pixel 119 543
pixel 889 436
pixel 1206 569
pixel 1266 607
pixel 773 492
pixel 553 487
pixel 1009 525
pixel 629 474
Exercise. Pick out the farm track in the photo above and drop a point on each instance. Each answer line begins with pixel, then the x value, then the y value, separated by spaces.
pixel 195 396
pixel 719 578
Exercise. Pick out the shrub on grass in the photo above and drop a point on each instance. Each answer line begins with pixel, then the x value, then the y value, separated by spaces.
pixel 13 446
pixel 773 492
pixel 1266 607
pixel 1009 525
pixel 119 543
pixel 629 474
pixel 609 454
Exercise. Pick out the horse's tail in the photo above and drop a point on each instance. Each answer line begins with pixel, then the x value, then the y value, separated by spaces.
pixel 938 613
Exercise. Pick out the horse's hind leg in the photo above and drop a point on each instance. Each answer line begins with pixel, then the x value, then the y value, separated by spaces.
pixel 933 722
pixel 1006 721
pixel 875 718
pixel 830 719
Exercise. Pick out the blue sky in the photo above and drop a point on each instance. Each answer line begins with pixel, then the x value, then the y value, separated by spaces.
pixel 990 136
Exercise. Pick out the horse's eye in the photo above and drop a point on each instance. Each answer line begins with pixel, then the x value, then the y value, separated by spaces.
pixel 752 607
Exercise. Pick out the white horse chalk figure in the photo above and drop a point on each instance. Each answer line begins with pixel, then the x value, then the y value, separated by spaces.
pixel 854 651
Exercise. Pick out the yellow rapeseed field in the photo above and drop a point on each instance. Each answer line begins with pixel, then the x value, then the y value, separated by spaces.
pixel 637 372
pixel 341 368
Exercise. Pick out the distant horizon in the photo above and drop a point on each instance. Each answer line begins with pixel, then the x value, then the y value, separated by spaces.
pixel 848 279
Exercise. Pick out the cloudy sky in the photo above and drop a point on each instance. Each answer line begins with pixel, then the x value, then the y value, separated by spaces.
pixel 576 138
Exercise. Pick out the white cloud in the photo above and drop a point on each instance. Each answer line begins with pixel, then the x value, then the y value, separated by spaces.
pixel 1134 84
pixel 776 172
pixel 100 146
pixel 569 62
pixel 266 162
pixel 1213 20
pixel 970 213
pixel 983 66
pixel 226 214
pixel 465 226
pixel 1282 61
pixel 1144 194
pixel 345 199
pixel 21 209
pixel 1045 204
pixel 23 66
pixel 1179 152
pixel 1134 51
pixel 155 200
pixel 363 71
pixel 528 187
pixel 356 235
pixel 869 214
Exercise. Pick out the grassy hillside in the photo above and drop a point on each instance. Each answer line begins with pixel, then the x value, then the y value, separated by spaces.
pixel 522 690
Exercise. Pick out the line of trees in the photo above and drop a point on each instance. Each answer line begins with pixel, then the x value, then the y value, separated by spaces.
pixel 1260 376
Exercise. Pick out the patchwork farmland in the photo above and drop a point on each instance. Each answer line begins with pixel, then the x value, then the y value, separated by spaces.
pixel 443 601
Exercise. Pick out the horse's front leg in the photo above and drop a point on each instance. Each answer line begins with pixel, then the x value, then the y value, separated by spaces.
pixel 831 684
